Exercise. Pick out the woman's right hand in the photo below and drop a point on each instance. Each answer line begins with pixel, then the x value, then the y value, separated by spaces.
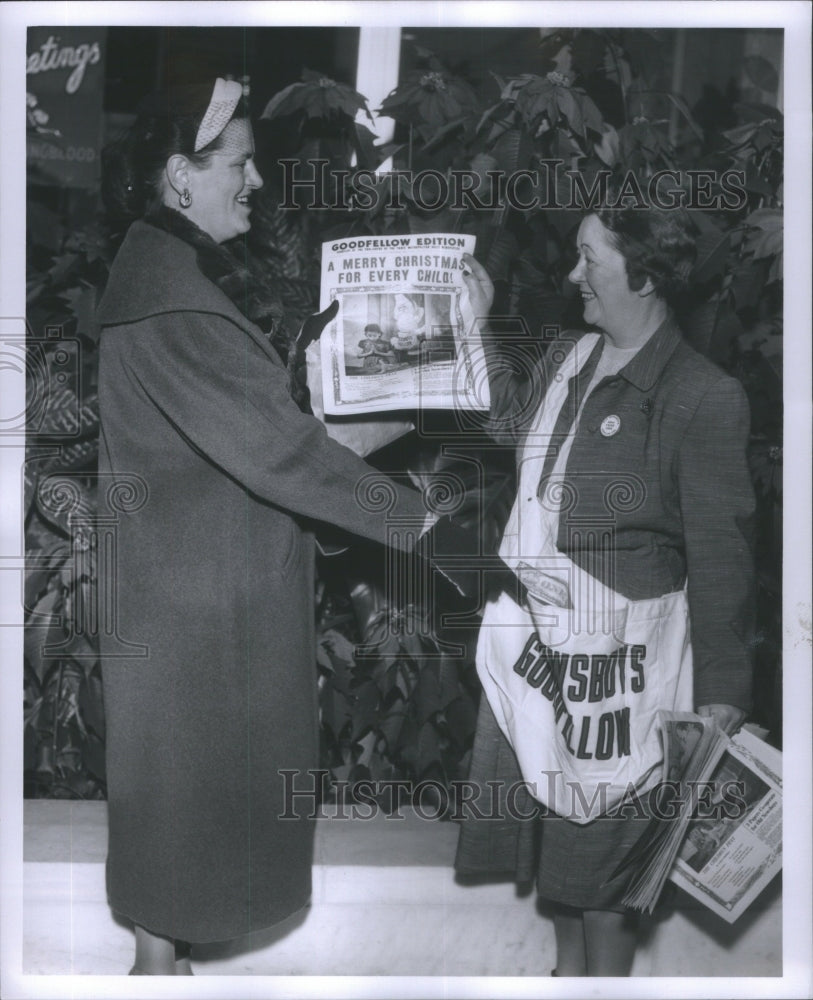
pixel 480 287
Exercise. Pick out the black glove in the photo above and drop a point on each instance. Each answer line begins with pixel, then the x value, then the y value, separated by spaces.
pixel 314 325
pixel 456 554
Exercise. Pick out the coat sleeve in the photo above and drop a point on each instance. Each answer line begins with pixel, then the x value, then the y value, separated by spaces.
pixel 516 385
pixel 222 392
pixel 717 506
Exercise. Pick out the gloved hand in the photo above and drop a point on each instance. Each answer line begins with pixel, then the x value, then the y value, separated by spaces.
pixel 314 325
pixel 455 552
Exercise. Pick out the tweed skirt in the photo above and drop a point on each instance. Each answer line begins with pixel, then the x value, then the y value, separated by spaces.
pixel 506 832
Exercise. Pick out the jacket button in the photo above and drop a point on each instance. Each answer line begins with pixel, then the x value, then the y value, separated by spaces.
pixel 592 427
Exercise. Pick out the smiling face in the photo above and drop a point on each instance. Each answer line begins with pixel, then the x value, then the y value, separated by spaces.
pixel 220 189
pixel 601 274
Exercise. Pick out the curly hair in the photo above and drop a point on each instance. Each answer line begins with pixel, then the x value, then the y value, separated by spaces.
pixel 656 243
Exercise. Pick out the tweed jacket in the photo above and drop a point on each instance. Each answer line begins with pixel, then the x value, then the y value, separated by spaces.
pixel 660 496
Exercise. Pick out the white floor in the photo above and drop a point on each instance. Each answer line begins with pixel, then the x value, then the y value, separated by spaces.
pixel 385 903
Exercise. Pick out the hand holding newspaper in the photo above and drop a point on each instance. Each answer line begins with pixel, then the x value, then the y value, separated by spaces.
pixel 404 336
pixel 718 832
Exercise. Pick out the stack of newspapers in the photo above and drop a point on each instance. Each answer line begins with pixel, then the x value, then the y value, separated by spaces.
pixel 716 827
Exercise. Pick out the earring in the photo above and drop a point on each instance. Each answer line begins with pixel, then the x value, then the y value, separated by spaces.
pixel 185 198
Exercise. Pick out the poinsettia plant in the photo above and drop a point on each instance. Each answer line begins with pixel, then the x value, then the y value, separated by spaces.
pixel 446 122
pixel 64 716
pixel 406 707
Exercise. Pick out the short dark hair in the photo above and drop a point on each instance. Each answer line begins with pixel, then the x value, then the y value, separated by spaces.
pixel 166 123
pixel 656 243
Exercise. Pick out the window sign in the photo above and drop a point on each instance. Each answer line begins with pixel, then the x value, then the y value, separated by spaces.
pixel 64 95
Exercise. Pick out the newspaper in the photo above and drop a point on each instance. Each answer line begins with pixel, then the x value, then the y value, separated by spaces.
pixel 726 862
pixel 718 829
pixel 404 336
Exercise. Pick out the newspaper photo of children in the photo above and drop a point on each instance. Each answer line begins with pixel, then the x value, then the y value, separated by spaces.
pixel 395 330
pixel 375 350
pixel 423 331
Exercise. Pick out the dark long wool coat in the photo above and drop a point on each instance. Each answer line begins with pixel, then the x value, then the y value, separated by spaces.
pixel 213 575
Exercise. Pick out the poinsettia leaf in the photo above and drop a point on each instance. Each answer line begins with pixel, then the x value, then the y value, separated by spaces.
pixel 44 628
pixel 713 330
pixel 43 227
pixel 363 139
pixel 461 718
pixel 282 103
pixel 592 116
pixel 391 724
pixel 82 303
pixel 767 243
pixel 351 102
pixel 442 133
pixel 765 218
pixel 366 746
pixel 428 692
pixel 340 647
pixel 60 499
pixel 493 112
pixel 748 283
pixel 63 266
pixel 755 182
pixel 500 255
pixel 41 564
pixel 552 110
pixel 314 104
pixel 498 129
pixel 79 648
pixel 323 659
pixel 365 708
pixel 712 255
pixel 428 748
pixel 404 95
pixel 755 111
pixel 566 103
pixel 740 135
pixel 683 108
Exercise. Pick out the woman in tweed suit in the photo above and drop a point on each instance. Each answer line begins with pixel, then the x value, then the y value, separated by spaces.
pixel 638 406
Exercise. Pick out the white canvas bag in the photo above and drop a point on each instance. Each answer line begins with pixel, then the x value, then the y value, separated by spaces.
pixel 576 678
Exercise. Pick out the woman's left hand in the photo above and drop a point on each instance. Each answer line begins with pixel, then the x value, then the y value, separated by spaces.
pixel 314 325
pixel 727 717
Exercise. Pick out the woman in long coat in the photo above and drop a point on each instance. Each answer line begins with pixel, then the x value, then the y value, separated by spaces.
pixel 209 677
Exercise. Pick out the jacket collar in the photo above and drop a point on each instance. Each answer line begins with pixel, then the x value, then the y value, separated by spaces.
pixel 155 272
pixel 645 368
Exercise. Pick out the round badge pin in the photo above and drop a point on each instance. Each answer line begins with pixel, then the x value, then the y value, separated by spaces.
pixel 611 425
